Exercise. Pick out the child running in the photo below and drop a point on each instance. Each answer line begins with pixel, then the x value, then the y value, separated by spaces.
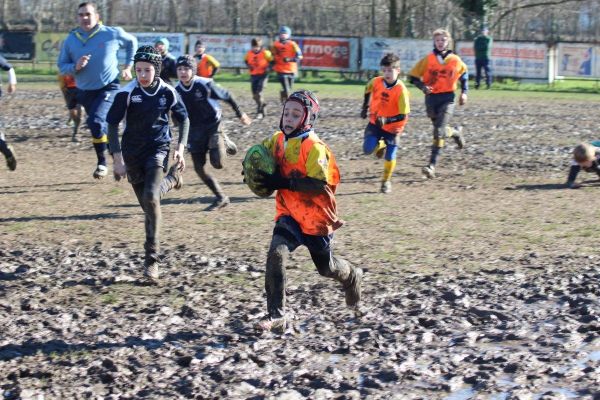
pixel 387 98
pixel 258 59
pixel 207 66
pixel 286 54
pixel 167 70
pixel 436 75
pixel 6 149
pixel 68 88
pixel 143 154
pixel 306 212
pixel 586 156
pixel 201 97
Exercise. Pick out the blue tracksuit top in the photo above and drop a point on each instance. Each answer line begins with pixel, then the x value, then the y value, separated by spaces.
pixel 102 43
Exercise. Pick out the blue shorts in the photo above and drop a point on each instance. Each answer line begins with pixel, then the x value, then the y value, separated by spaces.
pixel 373 134
pixel 288 228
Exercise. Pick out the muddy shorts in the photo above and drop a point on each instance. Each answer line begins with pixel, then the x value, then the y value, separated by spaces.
pixel 440 108
pixel 287 228
pixel 137 165
pixel 207 140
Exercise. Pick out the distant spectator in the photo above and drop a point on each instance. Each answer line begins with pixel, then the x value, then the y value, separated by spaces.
pixel 168 69
pixel 69 91
pixel 483 52
pixel 585 68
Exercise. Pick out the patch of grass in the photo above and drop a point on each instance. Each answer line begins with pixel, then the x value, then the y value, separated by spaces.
pixel 115 191
pixel 110 298
pixel 252 214
pixel 17 226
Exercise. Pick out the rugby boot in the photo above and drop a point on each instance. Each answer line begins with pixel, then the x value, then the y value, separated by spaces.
pixel 275 325
pixel 219 203
pixel 230 146
pixel 11 160
pixel 458 137
pixel 429 171
pixel 353 287
pixel 386 187
pixel 100 172
pixel 175 176
pixel 151 270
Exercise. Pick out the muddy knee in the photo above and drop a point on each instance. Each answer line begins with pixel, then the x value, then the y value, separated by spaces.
pixel 216 150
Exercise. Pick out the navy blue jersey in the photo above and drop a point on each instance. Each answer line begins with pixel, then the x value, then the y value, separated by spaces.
pixel 201 99
pixel 146 116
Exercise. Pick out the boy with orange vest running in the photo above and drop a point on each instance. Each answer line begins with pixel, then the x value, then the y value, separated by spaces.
pixel 208 66
pixel 437 75
pixel 69 90
pixel 387 98
pixel 258 60
pixel 306 214
pixel 286 55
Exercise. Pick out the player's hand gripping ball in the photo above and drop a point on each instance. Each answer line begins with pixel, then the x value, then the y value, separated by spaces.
pixel 258 158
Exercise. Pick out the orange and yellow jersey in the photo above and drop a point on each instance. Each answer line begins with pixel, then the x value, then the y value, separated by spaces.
pixel 282 51
pixel 440 75
pixel 388 102
pixel 258 63
pixel 301 157
pixel 207 65
pixel 66 82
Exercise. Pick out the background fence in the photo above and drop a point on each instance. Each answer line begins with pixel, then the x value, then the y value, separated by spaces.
pixel 521 60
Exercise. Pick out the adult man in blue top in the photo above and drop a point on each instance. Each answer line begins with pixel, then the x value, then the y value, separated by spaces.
pixel 89 53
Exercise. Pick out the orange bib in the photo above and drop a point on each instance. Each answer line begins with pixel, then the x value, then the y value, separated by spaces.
pixel 388 103
pixel 315 212
pixel 257 62
pixel 442 78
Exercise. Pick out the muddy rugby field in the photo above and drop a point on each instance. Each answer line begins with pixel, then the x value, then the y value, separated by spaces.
pixel 480 284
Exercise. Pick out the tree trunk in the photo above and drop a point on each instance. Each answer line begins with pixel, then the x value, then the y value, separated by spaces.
pixel 393 19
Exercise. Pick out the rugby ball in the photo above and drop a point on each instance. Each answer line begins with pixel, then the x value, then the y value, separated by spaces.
pixel 258 158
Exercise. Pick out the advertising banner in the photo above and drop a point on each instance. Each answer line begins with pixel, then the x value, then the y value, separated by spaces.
pixel 176 42
pixel 577 60
pixel 409 50
pixel 17 45
pixel 322 53
pixel 229 50
pixel 510 59
pixel 47 46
